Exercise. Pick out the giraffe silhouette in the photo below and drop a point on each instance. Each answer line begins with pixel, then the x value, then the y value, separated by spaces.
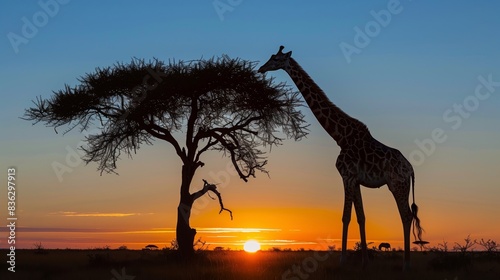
pixel 362 160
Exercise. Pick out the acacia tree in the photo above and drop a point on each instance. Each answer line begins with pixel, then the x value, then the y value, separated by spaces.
pixel 218 104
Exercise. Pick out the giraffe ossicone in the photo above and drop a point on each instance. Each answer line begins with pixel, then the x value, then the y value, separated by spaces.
pixel 362 160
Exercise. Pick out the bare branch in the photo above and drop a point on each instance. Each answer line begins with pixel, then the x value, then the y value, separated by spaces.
pixel 164 134
pixel 211 187
pixel 205 148
pixel 233 148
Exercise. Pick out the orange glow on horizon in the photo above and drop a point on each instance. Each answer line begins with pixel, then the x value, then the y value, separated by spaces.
pixel 283 228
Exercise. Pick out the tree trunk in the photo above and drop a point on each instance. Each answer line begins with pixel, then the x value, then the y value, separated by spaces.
pixel 184 233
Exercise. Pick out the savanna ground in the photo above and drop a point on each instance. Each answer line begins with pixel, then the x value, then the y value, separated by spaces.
pixel 221 265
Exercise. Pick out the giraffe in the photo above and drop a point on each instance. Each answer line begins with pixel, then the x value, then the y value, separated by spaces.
pixel 362 160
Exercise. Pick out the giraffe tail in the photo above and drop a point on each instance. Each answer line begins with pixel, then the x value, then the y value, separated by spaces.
pixel 414 209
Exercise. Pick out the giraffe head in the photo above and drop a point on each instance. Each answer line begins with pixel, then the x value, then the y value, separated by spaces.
pixel 277 61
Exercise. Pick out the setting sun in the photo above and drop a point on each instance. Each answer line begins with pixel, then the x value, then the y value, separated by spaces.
pixel 251 246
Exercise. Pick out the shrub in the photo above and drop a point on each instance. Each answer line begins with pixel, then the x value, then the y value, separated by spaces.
pixel 461 258
pixel 466 247
pixel 490 246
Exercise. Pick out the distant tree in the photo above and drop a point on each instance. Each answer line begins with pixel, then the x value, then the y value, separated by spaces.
pixel 39 248
pixel 220 104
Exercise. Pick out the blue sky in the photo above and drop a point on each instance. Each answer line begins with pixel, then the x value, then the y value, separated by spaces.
pixel 427 58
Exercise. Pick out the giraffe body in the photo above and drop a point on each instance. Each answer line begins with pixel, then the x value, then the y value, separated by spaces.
pixel 362 160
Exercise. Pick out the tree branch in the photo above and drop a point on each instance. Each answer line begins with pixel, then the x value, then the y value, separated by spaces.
pixel 211 187
pixel 155 130
pixel 231 147
pixel 105 111
pixel 204 149
pixel 192 142
pixel 227 130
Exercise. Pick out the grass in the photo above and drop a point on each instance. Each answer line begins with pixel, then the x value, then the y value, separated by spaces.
pixel 238 265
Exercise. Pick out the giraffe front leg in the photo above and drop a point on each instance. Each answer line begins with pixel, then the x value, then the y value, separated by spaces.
pixel 346 218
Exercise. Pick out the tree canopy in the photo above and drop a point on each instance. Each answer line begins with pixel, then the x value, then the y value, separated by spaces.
pixel 219 104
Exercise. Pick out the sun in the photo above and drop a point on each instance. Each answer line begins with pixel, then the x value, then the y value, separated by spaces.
pixel 251 246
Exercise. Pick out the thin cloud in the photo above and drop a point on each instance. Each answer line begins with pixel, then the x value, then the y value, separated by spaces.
pixel 275 242
pixel 231 230
pixel 285 242
pixel 226 230
pixel 52 229
pixel 86 230
pixel 94 214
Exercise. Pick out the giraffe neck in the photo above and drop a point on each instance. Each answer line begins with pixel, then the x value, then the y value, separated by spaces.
pixel 343 128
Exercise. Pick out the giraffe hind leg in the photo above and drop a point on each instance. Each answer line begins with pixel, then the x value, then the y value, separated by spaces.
pixel 360 216
pixel 401 191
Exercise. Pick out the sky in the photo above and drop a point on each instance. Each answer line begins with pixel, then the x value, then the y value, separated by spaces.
pixel 424 76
